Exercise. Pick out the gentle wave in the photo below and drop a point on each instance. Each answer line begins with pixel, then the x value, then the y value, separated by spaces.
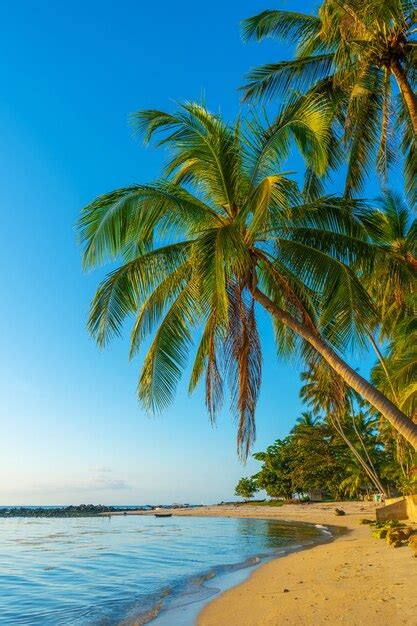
pixel 125 570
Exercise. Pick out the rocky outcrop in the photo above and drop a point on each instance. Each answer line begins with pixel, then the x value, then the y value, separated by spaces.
pixel 81 510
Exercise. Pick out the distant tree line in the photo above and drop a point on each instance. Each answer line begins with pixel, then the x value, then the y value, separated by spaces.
pixel 345 454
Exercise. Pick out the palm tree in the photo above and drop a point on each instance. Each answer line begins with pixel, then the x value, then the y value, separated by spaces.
pixel 392 283
pixel 351 52
pixel 324 390
pixel 221 231
pixel 307 420
pixel 355 481
pixel 397 374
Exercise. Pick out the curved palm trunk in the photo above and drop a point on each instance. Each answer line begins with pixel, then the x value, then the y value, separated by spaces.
pixel 370 471
pixel 407 93
pixel 397 418
pixel 365 449
pixel 383 365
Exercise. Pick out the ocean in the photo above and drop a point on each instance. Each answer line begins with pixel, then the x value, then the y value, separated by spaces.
pixel 128 569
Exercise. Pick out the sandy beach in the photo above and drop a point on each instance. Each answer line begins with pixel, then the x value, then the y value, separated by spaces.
pixel 354 580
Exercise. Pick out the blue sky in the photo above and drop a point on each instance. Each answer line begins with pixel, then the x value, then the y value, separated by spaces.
pixel 71 428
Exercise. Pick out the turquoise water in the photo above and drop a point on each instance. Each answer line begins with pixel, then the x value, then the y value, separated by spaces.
pixel 122 570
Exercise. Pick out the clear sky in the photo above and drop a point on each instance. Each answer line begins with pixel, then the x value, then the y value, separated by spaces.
pixel 71 428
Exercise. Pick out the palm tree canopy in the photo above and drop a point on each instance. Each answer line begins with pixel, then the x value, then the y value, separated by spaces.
pixel 401 365
pixel 350 53
pixel 191 246
pixel 393 281
pixel 392 285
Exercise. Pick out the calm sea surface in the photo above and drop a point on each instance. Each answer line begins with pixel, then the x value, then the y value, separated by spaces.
pixel 112 571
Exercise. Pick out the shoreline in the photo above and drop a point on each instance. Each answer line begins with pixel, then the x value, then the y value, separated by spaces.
pixel 352 579
pixel 213 584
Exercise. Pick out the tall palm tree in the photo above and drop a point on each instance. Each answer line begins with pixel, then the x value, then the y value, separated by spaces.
pixel 221 231
pixel 352 52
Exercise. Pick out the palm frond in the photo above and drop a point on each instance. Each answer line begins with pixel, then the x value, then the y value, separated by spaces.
pixel 193 130
pixel 266 81
pixel 167 356
pixel 280 24
pixel 196 247
pixel 305 121
pixel 244 365
pixel 124 289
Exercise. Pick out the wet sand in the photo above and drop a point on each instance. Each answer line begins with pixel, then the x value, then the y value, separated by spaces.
pixel 355 580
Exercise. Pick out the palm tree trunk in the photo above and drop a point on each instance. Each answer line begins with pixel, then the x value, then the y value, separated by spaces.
pixel 371 473
pixel 361 441
pixel 383 364
pixel 397 418
pixel 407 93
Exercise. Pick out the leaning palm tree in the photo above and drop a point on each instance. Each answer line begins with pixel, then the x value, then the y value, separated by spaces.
pixel 222 231
pixel 362 56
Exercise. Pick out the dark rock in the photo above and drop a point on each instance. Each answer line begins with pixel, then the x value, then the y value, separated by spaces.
pixel 81 510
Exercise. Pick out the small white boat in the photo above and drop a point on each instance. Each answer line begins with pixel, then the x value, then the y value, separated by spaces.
pixel 163 514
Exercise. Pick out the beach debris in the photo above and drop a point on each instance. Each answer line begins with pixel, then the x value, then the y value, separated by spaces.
pixel 365 521
pixel 286 591
pixel 396 533
pixel 339 512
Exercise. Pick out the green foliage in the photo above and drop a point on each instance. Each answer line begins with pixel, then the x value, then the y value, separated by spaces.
pixel 360 57
pixel 379 533
pixel 395 533
pixel 393 288
pixel 315 456
pixel 224 228
pixel 408 485
pixel 192 248
pixel 246 488
pixel 275 474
